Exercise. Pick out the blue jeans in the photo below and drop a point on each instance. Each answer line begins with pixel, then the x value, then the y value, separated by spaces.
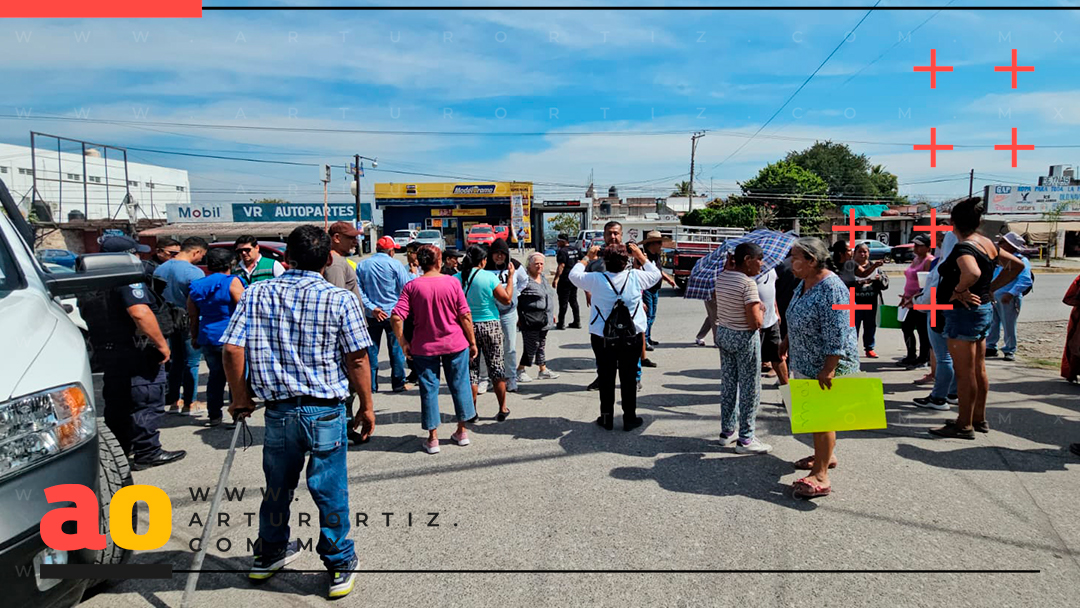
pixel 397 356
pixel 650 300
pixel 509 321
pixel 944 377
pixel 1005 316
pixel 740 372
pixel 291 431
pixel 456 366
pixel 215 383
pixel 183 368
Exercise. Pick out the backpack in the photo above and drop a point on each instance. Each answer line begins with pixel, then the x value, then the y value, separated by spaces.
pixel 532 310
pixel 619 324
pixel 170 317
pixel 1029 287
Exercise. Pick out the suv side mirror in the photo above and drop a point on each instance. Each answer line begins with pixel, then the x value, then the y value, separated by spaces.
pixel 96 272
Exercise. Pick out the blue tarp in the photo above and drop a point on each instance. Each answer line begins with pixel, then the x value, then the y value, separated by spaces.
pixel 866 210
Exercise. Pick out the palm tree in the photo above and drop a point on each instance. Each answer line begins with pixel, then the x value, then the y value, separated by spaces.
pixel 682 189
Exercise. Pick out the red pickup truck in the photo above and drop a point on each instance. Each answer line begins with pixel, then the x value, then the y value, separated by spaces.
pixel 693 243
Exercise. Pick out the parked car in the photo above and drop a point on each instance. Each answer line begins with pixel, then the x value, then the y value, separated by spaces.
pixel 51 433
pixel 430 237
pixel 878 250
pixel 62 257
pixel 480 234
pixel 902 253
pixel 404 237
pixel 501 232
pixel 275 250
pixel 586 236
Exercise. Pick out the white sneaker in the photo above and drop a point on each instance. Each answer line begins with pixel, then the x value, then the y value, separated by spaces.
pixel 754 447
pixel 482 388
pixel 431 447
pixel 725 440
pixel 699 342
pixel 547 374
pixel 523 377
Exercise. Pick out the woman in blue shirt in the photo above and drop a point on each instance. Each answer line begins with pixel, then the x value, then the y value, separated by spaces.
pixel 211 301
pixel 484 292
pixel 821 343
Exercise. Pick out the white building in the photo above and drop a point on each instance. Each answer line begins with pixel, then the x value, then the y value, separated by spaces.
pixel 71 182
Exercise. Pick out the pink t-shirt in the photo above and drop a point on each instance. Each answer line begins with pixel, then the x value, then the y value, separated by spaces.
pixel 911 276
pixel 435 304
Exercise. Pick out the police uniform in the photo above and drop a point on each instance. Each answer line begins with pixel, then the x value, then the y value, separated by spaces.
pixel 134 378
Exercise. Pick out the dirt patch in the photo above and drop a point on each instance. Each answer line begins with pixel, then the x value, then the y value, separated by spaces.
pixel 1040 344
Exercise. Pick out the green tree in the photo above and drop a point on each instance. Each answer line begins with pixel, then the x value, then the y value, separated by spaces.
pixel 785 190
pixel 846 173
pixel 570 223
pixel 744 216
pixel 682 189
pixel 886 185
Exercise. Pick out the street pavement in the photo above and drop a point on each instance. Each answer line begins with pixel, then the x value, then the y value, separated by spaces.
pixel 549 490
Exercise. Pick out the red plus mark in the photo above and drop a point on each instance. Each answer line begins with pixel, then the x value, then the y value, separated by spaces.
pixel 1014 69
pixel 934 68
pixel 851 228
pixel 851 306
pixel 1014 147
pixel 934 147
pixel 932 307
pixel 934 228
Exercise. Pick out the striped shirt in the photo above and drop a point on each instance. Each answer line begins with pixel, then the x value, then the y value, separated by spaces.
pixel 296 330
pixel 734 290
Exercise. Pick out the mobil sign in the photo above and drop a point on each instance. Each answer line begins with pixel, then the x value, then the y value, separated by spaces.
pixel 198 212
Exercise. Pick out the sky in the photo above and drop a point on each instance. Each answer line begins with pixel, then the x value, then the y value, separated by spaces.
pixel 550 96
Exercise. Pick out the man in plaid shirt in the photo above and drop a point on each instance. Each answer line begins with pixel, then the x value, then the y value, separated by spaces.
pixel 304 342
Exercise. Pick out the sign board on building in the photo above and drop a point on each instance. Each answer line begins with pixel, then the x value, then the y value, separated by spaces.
pixel 1028 200
pixel 258 212
pixel 562 203
pixel 466 212
pixel 474 189
pixel 883 237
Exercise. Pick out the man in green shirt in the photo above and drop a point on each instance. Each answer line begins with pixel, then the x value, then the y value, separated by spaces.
pixel 251 266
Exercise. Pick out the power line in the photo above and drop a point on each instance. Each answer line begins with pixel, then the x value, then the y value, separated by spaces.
pixel 801 87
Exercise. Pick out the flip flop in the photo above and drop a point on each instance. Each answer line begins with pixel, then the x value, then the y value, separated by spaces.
pixel 805 464
pixel 807 487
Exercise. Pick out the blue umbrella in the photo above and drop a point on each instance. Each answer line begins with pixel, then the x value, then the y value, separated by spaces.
pixel 702 283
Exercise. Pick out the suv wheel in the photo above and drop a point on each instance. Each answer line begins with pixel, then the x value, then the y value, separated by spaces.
pixel 114 472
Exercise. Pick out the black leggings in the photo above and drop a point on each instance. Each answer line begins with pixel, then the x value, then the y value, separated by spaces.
pixel 617 356
pixel 916 322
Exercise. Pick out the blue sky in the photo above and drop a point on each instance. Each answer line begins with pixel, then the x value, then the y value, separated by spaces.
pixel 535 86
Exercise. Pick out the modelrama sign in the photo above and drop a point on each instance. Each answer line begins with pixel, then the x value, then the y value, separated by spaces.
pixel 257 212
pixel 1033 199
pixel 475 189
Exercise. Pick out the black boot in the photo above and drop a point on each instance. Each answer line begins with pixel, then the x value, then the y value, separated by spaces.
pixel 631 421
pixel 606 420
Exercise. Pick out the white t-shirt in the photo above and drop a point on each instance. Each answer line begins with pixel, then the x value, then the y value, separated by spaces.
pixel 766 288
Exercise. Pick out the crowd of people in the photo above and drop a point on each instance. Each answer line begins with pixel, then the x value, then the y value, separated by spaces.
pixel 304 340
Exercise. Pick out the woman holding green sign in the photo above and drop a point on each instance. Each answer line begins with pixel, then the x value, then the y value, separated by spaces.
pixel 821 344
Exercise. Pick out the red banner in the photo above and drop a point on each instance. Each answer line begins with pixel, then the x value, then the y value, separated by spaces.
pixel 102 9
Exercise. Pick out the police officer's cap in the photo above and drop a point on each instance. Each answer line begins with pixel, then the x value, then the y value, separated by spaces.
pixel 117 244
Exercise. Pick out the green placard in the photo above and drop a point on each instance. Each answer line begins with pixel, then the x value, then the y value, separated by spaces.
pixel 888 318
pixel 853 404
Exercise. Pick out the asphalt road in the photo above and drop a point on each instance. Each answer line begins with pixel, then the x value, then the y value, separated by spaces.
pixel 547 497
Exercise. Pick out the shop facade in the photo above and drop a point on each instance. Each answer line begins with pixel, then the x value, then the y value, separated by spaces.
pixel 454 208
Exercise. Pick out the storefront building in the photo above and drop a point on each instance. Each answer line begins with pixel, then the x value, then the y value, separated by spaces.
pixel 454 208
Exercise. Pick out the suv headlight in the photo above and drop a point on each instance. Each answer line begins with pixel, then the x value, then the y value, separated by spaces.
pixel 38 426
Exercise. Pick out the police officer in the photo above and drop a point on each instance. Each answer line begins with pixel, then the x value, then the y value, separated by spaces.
pixel 129 344
pixel 566 257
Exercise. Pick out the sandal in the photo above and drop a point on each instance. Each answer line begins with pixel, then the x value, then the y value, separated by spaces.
pixel 808 487
pixel 805 464
pixel 980 426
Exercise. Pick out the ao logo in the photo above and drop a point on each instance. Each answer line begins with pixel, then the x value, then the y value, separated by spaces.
pixel 85 514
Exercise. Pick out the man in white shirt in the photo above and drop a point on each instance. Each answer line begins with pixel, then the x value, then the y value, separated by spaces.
pixel 770 331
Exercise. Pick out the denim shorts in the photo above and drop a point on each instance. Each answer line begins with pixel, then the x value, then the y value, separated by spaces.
pixel 968 324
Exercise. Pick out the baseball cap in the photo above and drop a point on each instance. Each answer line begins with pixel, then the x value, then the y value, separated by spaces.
pixel 386 242
pixel 921 239
pixel 452 252
pixel 345 228
pixel 1015 240
pixel 118 244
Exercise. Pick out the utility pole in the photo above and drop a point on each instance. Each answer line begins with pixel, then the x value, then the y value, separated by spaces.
pixel 971 184
pixel 693 149
pixel 360 222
